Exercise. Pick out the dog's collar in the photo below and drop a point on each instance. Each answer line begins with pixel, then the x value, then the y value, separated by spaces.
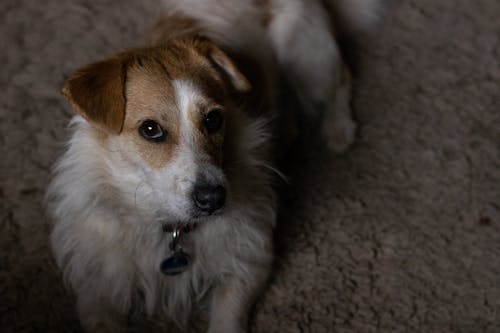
pixel 180 228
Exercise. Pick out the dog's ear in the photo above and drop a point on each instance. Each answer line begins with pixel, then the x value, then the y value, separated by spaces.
pixel 225 65
pixel 238 80
pixel 96 92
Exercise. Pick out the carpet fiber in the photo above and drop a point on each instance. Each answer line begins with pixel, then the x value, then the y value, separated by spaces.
pixel 402 234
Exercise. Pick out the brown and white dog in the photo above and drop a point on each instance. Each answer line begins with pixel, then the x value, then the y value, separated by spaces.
pixel 178 135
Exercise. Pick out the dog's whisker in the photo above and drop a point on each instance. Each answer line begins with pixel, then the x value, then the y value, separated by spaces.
pixel 274 170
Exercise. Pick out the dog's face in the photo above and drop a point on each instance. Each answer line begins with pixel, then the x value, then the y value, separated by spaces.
pixel 161 114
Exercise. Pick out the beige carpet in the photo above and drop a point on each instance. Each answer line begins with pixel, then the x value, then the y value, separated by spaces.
pixel 400 235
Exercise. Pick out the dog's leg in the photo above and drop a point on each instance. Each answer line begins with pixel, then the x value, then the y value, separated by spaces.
pixel 232 302
pixel 338 128
pixel 95 317
pixel 309 55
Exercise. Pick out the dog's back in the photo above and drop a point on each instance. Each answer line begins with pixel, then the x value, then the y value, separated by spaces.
pixel 296 38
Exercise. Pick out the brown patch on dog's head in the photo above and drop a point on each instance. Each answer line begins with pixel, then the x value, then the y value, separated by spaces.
pixel 150 97
pixel 119 94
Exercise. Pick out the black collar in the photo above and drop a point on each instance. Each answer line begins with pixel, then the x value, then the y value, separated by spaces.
pixel 183 228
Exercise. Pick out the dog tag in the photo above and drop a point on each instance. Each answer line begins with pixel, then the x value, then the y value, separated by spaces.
pixel 175 264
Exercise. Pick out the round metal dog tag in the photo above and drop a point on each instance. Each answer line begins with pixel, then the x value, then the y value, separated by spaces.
pixel 175 264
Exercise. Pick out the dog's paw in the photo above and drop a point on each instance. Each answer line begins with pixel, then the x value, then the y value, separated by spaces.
pixel 339 134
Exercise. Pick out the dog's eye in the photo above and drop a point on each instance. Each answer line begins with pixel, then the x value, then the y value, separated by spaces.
pixel 213 120
pixel 152 131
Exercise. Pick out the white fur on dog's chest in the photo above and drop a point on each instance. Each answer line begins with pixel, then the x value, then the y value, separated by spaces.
pixel 127 258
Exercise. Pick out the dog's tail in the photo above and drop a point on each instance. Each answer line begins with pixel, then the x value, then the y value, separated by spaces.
pixel 356 16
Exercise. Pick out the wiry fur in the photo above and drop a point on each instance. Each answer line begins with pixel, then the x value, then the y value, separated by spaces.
pixel 110 249
pixel 108 205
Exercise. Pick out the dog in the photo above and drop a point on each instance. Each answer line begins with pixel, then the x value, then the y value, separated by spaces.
pixel 164 196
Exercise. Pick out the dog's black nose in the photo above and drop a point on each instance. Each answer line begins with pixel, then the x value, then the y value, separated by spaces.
pixel 209 198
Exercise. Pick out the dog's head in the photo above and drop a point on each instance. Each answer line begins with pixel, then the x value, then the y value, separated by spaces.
pixel 160 114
